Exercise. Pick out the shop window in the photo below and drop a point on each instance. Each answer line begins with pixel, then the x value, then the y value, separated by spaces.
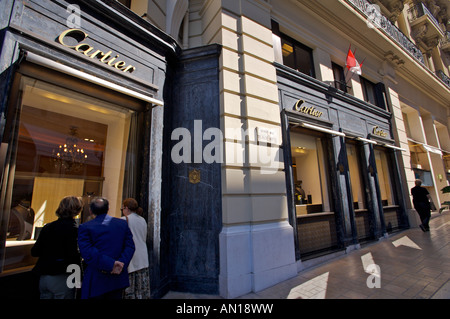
pixel 339 77
pixel 65 143
pixel 315 218
pixel 311 191
pixel 297 55
pixel 447 165
pixel 420 163
pixel 357 184
pixel 384 178
pixel 374 93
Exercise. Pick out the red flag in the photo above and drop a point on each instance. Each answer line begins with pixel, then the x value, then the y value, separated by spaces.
pixel 352 64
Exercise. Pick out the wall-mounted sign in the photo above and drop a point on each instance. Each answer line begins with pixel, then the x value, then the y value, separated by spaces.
pixel 265 135
pixel 377 131
pixel 78 36
pixel 310 110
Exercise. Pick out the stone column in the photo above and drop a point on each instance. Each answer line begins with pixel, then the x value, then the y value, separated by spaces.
pixel 373 200
pixel 256 241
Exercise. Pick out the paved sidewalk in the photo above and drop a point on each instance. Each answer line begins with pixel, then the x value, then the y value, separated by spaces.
pixel 410 264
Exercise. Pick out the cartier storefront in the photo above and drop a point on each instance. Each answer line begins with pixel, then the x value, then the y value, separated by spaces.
pixel 82 115
pixel 90 94
pixel 342 176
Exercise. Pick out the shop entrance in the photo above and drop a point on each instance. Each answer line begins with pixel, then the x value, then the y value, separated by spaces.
pixel 315 217
pixel 59 142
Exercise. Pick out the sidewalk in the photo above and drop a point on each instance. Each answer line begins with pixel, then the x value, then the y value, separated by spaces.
pixel 410 264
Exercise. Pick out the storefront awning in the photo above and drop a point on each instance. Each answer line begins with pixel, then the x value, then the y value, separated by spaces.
pixel 432 149
pixel 37 59
pixel 318 128
pixel 426 147
pixel 362 139
pixel 394 147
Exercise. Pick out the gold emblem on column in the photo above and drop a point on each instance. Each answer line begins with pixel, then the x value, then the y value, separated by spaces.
pixel 194 176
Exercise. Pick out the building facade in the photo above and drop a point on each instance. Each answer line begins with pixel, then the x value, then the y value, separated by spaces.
pixel 236 124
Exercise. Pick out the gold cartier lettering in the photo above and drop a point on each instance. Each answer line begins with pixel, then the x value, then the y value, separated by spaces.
pixel 119 65
pixel 306 110
pixel 107 58
pixel 84 48
pixel 129 68
pixel 110 62
pixel 377 131
pixel 74 33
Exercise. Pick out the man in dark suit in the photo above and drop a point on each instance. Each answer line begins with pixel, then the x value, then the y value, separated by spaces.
pixel 106 245
pixel 422 203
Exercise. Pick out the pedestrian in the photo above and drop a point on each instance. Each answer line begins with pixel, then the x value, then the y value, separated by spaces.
pixel 57 248
pixel 422 202
pixel 106 246
pixel 138 268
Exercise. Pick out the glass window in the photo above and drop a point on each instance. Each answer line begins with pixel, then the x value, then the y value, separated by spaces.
pixel 66 144
pixel 310 171
pixel 420 163
pixel 384 178
pixel 447 165
pixel 374 93
pixel 339 77
pixel 368 91
pixel 297 56
pixel 287 49
pixel 357 183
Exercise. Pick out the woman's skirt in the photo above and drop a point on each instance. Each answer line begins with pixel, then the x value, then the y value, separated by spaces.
pixel 139 285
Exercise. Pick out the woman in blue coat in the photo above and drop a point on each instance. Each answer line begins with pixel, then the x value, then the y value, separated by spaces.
pixel 106 245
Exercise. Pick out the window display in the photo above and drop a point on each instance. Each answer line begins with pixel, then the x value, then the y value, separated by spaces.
pixel 310 178
pixel 355 177
pixel 66 143
pixel 384 178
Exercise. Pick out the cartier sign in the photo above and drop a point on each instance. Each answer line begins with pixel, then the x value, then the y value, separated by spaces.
pixel 377 131
pixel 310 110
pixel 88 50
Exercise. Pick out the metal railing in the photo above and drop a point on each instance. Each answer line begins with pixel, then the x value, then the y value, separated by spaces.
pixel 446 39
pixel 443 77
pixel 419 10
pixel 374 17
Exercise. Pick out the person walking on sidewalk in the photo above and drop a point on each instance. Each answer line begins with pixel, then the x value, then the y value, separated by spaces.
pixel 422 203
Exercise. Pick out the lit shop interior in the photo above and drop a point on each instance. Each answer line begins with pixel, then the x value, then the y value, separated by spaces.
pixel 313 190
pixel 65 143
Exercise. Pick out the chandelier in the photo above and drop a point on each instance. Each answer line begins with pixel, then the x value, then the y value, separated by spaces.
pixel 70 156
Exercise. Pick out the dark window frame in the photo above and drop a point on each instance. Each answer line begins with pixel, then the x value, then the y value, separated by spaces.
pixel 374 93
pixel 299 45
pixel 339 83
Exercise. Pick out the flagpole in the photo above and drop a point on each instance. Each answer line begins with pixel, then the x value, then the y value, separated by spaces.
pixel 348 79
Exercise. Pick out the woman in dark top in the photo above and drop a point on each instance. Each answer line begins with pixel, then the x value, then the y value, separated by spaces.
pixel 57 248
